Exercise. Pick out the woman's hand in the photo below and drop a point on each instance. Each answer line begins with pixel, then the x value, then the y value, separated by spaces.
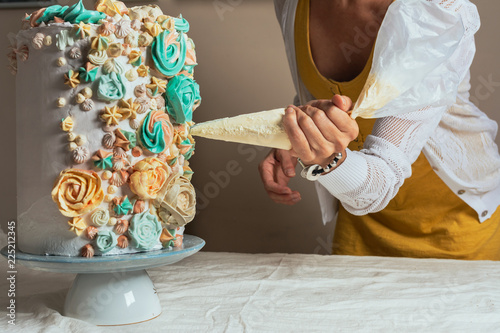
pixel 320 129
pixel 276 170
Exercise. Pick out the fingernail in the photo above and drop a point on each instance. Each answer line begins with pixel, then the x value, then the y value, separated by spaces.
pixel 289 110
pixel 290 172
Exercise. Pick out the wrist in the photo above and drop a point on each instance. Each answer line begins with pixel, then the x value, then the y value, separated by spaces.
pixel 314 171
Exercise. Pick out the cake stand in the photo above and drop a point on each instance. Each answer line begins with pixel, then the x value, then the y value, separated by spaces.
pixel 111 290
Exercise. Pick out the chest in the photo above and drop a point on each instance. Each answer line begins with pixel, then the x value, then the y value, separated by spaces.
pixel 341 40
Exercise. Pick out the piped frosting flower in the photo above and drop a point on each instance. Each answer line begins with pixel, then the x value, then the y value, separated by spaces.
pixel 77 192
pixel 148 178
pixel 145 231
pixel 100 217
pixel 111 116
pixel 176 203
pixel 156 132
pixel 169 52
pixel 123 206
pixel 111 87
pixel 103 159
pixel 77 225
pixel 182 97
pixel 128 108
pixel 106 240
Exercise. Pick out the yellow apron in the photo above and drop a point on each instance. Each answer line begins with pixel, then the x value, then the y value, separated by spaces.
pixel 425 219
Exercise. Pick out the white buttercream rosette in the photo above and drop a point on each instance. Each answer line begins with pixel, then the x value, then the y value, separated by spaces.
pixel 176 204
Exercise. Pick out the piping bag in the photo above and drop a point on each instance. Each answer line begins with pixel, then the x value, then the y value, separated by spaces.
pixel 404 76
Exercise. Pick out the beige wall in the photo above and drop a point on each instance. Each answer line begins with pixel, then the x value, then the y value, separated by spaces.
pixel 243 69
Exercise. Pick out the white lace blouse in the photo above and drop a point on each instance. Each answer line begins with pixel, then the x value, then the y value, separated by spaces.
pixel 458 140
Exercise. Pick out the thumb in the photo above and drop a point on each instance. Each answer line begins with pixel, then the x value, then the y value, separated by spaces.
pixel 342 102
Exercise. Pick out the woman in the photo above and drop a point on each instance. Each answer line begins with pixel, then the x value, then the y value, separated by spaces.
pixel 420 184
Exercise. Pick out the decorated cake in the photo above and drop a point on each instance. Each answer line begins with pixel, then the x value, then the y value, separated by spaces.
pixel 105 100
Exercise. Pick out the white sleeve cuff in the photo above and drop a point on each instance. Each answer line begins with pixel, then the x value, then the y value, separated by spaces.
pixel 348 176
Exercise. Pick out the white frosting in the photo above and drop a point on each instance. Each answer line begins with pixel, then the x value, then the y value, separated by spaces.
pixel 263 128
pixel 42 147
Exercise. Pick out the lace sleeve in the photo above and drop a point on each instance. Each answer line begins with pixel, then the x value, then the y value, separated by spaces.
pixel 370 178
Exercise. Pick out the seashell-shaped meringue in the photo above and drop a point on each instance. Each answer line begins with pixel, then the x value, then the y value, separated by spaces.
pixel 160 102
pixel 121 227
pixel 143 103
pixel 119 152
pixel 100 217
pixel 118 178
pixel 136 25
pixel 87 251
pixel 87 105
pixel 106 28
pixel 140 90
pixel 139 206
pixel 134 123
pixel 108 140
pixel 98 57
pixel 23 52
pixel 120 163
pixel 123 28
pixel 122 241
pixel 75 53
pixel 80 155
pixel 37 41
pixel 47 41
pixel 112 65
pixel 91 232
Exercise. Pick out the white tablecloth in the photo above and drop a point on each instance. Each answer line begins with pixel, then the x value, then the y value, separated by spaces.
pixel 220 292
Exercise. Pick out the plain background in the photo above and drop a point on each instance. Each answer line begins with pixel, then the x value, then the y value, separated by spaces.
pixel 242 68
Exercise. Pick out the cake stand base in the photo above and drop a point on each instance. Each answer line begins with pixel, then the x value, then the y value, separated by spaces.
pixel 111 290
pixel 113 298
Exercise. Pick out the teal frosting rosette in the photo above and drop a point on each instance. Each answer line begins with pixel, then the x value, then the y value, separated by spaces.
pixel 169 52
pixel 110 87
pixel 156 132
pixel 106 240
pixel 145 230
pixel 74 14
pixel 183 94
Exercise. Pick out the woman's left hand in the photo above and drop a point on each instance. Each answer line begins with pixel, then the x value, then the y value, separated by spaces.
pixel 320 129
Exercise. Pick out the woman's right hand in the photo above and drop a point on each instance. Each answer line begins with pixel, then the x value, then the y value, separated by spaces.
pixel 276 170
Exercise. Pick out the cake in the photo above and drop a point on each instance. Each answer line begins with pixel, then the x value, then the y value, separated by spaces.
pixel 104 102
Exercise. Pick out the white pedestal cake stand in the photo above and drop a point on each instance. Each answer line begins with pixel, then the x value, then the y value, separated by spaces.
pixel 111 290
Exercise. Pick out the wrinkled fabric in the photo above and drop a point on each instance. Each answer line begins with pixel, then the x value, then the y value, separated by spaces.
pixel 229 292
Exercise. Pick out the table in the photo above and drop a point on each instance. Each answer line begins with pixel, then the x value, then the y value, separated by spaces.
pixel 231 292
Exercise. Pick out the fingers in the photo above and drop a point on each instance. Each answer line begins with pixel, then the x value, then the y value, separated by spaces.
pixel 267 173
pixel 275 180
pixel 287 161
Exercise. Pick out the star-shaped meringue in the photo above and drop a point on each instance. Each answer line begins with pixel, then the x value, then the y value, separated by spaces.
pixel 111 116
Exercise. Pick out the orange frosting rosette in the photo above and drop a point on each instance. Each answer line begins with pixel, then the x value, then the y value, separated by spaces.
pixel 77 192
pixel 149 177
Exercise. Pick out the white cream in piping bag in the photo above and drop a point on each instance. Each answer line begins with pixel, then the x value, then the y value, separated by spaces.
pixel 263 128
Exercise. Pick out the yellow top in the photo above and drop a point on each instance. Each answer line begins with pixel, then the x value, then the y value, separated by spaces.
pixel 425 219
